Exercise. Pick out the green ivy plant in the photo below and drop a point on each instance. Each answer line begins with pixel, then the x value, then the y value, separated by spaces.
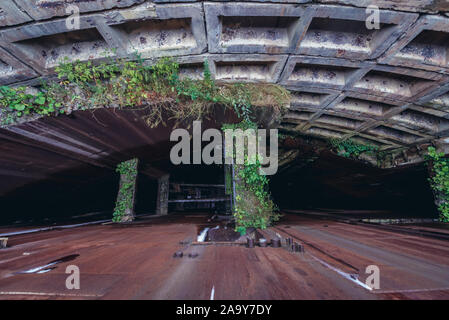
pixel 351 149
pixel 132 83
pixel 19 102
pixel 125 198
pixel 439 180
pixel 253 205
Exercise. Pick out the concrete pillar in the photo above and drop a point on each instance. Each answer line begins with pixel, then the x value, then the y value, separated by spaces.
pixel 162 195
pixel 126 198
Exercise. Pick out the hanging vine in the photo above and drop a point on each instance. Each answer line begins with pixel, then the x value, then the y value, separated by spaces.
pixel 122 83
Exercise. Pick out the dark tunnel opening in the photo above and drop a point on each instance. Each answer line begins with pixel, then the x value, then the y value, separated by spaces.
pixel 328 184
pixel 347 187
pixel 51 201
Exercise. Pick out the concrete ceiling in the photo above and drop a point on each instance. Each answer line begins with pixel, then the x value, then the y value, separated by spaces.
pixel 388 87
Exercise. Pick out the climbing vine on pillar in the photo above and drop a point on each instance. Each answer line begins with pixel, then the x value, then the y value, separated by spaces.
pixel 124 206
pixel 253 205
pixel 439 181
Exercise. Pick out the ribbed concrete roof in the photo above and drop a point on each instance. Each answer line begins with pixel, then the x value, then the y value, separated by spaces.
pixel 387 86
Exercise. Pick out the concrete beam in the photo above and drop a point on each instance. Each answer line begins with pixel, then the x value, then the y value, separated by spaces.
pixel 46 9
pixel 419 121
pixel 363 105
pixel 337 31
pixel 424 46
pixel 159 30
pixel 45 44
pixel 304 97
pixel 11 15
pixel 401 5
pixel 13 70
pixel 326 73
pixel 397 83
pixel 254 28
pixel 247 67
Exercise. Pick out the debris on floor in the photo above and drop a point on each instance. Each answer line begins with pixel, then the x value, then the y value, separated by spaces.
pixel 223 234
pixel 3 242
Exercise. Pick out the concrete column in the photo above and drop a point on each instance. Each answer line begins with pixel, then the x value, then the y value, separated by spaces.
pixel 162 195
pixel 126 197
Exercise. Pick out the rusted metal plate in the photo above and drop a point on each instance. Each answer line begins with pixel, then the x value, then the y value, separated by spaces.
pixel 136 262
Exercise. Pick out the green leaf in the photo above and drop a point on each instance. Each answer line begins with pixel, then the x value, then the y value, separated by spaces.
pixel 40 100
pixel 20 107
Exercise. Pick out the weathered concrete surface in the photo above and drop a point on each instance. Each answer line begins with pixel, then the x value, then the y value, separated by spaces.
pixel 433 6
pixel 424 43
pixel 136 262
pixel 45 9
pixel 163 188
pixel 155 31
pixel 343 33
pixel 247 67
pixel 10 14
pixel 12 70
pixel 254 28
pixel 386 87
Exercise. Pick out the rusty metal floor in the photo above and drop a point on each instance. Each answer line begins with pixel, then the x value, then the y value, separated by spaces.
pixel 136 262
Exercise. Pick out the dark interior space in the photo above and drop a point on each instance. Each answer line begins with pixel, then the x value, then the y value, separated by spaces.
pixel 146 195
pixel 326 183
pixel 348 186
pixel 314 179
pixel 197 182
pixel 57 200
pixel 51 200
pixel 196 173
pixel 181 174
